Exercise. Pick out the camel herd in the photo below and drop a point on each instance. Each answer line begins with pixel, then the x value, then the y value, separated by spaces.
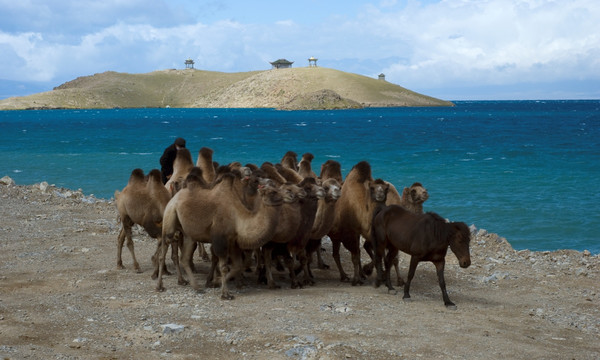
pixel 256 216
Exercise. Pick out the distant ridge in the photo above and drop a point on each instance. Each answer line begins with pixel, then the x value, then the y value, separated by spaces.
pixel 289 89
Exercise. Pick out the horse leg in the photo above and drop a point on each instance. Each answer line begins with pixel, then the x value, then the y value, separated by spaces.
pixel 389 259
pixel 411 273
pixel 399 280
pixel 439 267
pixel 336 257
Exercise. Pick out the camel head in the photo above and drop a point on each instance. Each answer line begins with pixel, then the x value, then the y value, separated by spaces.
pixel 271 196
pixel 417 194
pixel 332 188
pixel 313 190
pixel 379 190
pixel 291 193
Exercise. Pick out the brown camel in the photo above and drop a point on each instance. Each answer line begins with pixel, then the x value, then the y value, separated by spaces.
pixel 323 220
pixel 361 195
pixel 220 216
pixel 141 202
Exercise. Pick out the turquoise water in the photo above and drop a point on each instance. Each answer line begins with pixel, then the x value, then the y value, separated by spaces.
pixel 527 170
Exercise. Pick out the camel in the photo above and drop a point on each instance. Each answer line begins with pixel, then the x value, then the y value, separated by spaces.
pixel 272 173
pixel 290 219
pixel 225 216
pixel 330 169
pixel 141 202
pixel 323 220
pixel 181 168
pixel 290 160
pixel 361 195
pixel 305 167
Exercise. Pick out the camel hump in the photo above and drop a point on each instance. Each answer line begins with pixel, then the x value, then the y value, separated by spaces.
pixel 206 152
pixel 154 176
pixel 363 171
pixel 308 157
pixel 137 175
pixel 184 155
pixel 417 184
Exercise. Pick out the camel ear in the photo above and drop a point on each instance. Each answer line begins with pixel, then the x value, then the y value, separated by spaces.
pixel 405 193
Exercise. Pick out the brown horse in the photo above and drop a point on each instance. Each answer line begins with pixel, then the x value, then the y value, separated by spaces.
pixel 425 237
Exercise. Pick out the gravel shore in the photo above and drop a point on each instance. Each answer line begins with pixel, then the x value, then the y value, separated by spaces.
pixel 62 297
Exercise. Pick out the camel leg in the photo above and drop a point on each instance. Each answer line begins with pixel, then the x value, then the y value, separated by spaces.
pixel 187 251
pixel 320 263
pixel 161 253
pixel 356 280
pixel 267 252
pixel 120 242
pixel 155 262
pixel 210 279
pixel 439 267
pixel 203 253
pixel 336 257
pixel 304 266
pixel 368 268
pixel 175 259
pixel 136 265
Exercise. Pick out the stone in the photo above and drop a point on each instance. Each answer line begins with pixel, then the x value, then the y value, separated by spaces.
pixel 172 328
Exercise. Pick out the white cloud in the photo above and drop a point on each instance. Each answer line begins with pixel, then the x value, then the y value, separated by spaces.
pixel 418 44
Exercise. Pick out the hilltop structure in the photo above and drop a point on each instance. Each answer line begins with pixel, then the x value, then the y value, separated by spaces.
pixel 282 64
pixel 189 64
pixel 312 61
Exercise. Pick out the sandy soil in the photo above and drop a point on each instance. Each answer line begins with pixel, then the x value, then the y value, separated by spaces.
pixel 62 297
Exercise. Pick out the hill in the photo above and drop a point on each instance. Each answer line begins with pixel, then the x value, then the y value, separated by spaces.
pixel 293 88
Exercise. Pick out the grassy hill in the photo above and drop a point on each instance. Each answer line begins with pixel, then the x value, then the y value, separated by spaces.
pixel 294 88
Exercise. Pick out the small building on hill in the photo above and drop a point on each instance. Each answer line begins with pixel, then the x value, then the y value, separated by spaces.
pixel 382 76
pixel 189 64
pixel 312 61
pixel 282 64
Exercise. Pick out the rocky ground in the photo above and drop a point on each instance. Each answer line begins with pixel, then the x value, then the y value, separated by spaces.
pixel 62 297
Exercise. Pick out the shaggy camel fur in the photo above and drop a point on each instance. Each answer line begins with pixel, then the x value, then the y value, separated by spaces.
pixel 141 202
pixel 206 164
pixel 361 195
pixel 220 216
pixel 331 169
pixel 305 167
pixel 290 160
pixel 289 174
pixel 181 168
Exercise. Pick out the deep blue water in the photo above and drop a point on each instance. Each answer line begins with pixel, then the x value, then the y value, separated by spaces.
pixel 527 170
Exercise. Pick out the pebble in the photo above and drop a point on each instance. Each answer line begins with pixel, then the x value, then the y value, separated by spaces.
pixel 172 328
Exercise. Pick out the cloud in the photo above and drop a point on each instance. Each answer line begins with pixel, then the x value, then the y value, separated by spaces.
pixel 420 45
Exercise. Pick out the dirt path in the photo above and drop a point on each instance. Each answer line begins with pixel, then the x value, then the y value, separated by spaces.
pixel 62 297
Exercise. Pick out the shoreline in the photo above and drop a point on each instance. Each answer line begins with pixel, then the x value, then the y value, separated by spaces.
pixel 62 296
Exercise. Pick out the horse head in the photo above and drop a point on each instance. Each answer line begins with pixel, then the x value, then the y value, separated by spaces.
pixel 459 243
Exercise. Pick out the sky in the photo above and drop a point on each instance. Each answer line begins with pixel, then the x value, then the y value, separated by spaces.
pixel 449 49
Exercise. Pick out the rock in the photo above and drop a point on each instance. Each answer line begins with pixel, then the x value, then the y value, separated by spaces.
pixel 172 328
pixel 44 186
pixel 7 180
